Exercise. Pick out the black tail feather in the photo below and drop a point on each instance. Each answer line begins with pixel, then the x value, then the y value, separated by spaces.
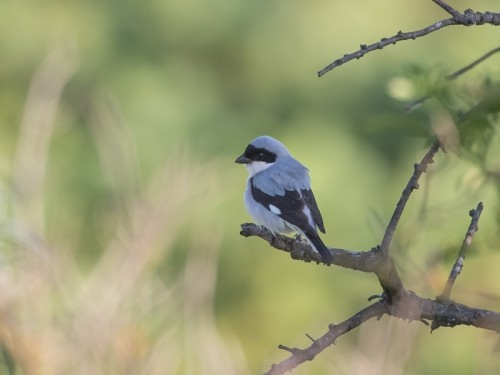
pixel 321 248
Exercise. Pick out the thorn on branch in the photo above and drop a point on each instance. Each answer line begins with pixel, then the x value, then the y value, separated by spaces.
pixel 294 351
pixel 310 338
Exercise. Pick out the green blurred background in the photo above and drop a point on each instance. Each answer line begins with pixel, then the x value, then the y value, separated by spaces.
pixel 120 202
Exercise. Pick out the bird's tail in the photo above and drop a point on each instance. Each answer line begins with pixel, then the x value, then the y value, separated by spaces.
pixel 321 248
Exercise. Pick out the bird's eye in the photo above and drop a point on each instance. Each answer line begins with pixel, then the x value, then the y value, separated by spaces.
pixel 260 155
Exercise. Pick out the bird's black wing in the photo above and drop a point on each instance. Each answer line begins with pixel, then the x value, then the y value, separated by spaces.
pixel 313 206
pixel 289 207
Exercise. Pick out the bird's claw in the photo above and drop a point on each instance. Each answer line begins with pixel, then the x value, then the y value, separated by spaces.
pixel 376 296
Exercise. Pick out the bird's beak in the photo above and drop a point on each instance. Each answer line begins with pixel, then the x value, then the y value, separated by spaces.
pixel 242 159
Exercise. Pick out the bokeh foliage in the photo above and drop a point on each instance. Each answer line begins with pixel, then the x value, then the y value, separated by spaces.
pixel 120 203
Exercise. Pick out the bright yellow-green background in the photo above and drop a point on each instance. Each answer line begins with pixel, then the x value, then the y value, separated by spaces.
pixel 120 246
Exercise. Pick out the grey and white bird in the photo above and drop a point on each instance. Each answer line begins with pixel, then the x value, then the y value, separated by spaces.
pixel 278 193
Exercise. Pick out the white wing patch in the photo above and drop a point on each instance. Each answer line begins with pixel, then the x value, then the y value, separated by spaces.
pixel 310 219
pixel 275 210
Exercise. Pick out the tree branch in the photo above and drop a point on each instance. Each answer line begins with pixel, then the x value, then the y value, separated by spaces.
pixel 412 185
pixel 365 261
pixel 459 263
pixel 334 331
pixel 408 306
pixel 468 18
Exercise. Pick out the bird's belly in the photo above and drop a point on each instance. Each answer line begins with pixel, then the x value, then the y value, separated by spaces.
pixel 263 216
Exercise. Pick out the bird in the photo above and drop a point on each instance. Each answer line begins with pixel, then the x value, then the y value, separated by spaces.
pixel 278 193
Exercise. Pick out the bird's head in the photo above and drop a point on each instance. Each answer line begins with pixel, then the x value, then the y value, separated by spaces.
pixel 262 153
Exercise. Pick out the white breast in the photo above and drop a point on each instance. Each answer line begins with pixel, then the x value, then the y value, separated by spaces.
pixel 256 166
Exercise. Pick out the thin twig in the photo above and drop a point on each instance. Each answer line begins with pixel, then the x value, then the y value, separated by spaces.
pixel 412 185
pixel 473 64
pixel 448 8
pixel 302 355
pixel 384 42
pixel 468 18
pixel 450 77
pixel 459 263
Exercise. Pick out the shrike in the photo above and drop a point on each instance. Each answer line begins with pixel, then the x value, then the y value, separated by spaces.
pixel 278 194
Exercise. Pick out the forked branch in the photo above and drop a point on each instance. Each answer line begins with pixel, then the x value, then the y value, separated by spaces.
pixel 409 307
